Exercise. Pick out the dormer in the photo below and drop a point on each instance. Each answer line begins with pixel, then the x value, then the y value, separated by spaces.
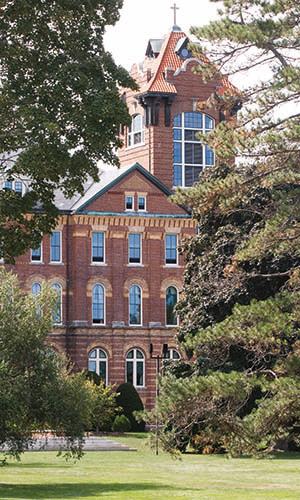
pixel 153 48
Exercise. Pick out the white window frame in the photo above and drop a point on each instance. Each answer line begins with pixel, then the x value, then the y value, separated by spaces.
pixel 166 315
pixel 131 133
pixel 60 246
pixel 182 142
pixel 41 259
pixel 61 302
pixel 141 322
pixel 140 263
pixel 97 360
pixel 100 263
pixel 129 209
pixel 167 264
pixel 145 198
pixel 134 360
pixel 104 305
pixel 171 351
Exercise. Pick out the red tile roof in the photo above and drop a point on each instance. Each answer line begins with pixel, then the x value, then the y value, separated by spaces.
pixel 168 59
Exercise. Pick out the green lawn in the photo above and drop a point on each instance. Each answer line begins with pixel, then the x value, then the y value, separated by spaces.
pixel 143 476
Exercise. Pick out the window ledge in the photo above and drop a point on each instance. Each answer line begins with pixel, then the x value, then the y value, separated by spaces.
pixel 51 263
pixel 174 266
pixel 132 264
pixel 36 262
pixel 99 264
pixel 140 144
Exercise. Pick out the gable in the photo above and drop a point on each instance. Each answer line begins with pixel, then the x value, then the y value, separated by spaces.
pixel 135 183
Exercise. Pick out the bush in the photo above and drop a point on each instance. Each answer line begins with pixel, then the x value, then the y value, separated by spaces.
pixel 103 406
pixel 121 424
pixel 130 401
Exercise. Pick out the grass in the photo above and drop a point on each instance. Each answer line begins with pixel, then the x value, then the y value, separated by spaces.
pixel 143 476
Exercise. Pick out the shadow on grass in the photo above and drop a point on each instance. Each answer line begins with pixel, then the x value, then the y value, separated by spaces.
pixel 73 490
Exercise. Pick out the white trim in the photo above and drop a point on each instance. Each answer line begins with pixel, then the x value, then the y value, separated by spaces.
pixel 95 263
pixel 167 264
pixel 140 263
pixel 141 323
pixel 145 198
pixel 129 209
pixel 104 305
pixel 60 246
pixel 177 318
pixel 37 261
pixel 97 360
pixel 134 360
pixel 61 305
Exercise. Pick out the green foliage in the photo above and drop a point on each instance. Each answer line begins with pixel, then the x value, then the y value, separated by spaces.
pixel 62 89
pixel 240 304
pixel 129 400
pixel 121 424
pixel 103 406
pixel 36 391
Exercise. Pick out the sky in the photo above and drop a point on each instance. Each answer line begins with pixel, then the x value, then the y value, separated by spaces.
pixel 144 19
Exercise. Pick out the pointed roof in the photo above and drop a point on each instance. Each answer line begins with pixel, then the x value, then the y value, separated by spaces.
pixel 169 59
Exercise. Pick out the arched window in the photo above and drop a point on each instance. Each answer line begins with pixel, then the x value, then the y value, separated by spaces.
pixel 136 131
pixel 173 355
pixel 97 363
pixel 36 288
pixel 135 368
pixel 171 301
pixel 135 305
pixel 98 307
pixel 57 309
pixel 190 156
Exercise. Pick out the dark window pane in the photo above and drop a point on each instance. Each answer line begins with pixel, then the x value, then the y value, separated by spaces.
pixel 36 254
pixel 141 203
pixel 171 301
pixel 135 305
pixel 129 371
pixel 98 305
pixel 55 247
pixel 18 187
pixel 193 154
pixel 92 366
pixel 134 242
pixel 98 247
pixel 171 249
pixel 139 373
pixel 192 175
pixel 102 370
pixel 191 135
pixel 129 202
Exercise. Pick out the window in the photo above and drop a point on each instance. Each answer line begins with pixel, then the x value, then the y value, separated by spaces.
pixel 190 156
pixel 171 249
pixel 55 246
pixel 136 131
pixel 57 309
pixel 135 305
pixel 8 185
pixel 172 354
pixel 98 248
pixel 129 202
pixel 18 187
pixel 98 309
pixel 171 301
pixel 135 368
pixel 97 363
pixel 36 288
pixel 36 254
pixel 134 248
pixel 141 203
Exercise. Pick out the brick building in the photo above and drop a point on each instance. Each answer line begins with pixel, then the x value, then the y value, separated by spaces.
pixel 113 258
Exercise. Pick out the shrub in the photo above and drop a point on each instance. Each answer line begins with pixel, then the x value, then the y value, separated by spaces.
pixel 103 406
pixel 129 400
pixel 121 424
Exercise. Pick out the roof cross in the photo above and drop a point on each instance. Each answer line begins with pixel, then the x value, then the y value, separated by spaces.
pixel 175 8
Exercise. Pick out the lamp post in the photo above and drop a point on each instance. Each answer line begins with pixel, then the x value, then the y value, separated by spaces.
pixel 158 357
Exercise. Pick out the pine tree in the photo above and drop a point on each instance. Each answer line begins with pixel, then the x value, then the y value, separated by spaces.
pixel 240 306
